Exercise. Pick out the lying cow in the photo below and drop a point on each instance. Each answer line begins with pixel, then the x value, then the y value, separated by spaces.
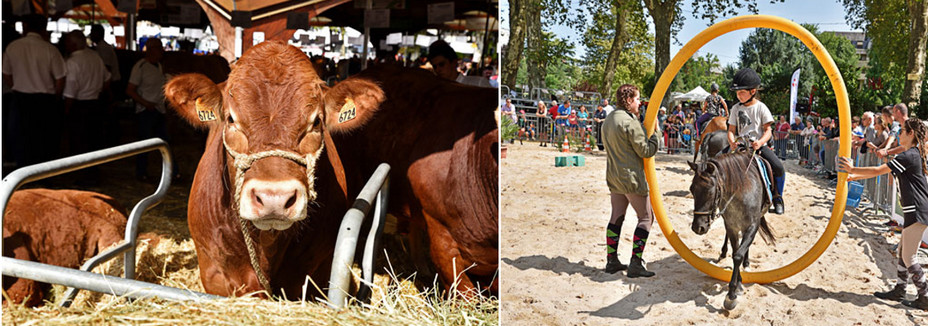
pixel 269 191
pixel 57 227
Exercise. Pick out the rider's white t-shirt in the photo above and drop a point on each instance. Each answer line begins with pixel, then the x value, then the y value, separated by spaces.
pixel 755 116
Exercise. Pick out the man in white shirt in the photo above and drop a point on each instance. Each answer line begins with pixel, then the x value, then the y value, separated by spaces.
pixel 87 77
pixel 35 70
pixel 445 62
pixel 145 87
pixel 606 107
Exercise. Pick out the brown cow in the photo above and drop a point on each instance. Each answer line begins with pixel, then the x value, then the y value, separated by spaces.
pixel 269 164
pixel 57 227
pixel 441 139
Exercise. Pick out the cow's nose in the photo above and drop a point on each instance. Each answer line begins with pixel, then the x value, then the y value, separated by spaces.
pixel 269 199
pixel 274 200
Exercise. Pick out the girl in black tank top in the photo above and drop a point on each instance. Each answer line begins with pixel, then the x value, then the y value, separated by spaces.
pixel 909 168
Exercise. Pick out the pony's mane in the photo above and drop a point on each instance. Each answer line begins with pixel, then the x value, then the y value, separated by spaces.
pixel 732 170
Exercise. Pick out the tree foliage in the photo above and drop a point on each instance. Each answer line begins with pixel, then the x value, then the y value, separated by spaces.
pixel 635 59
pixel 775 55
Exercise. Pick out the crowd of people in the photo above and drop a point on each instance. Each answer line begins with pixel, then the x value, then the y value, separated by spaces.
pixel 61 99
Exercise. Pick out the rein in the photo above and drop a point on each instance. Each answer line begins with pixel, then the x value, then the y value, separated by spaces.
pixel 243 162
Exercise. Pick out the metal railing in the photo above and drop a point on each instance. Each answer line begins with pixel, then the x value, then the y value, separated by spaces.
pixel 340 277
pixel 83 278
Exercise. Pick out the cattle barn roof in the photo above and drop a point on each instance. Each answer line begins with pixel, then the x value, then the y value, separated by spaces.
pixel 405 15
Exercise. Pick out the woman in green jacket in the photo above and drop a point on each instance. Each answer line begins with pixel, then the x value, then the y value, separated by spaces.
pixel 626 145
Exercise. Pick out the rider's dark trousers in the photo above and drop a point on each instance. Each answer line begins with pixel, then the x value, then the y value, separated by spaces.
pixel 775 162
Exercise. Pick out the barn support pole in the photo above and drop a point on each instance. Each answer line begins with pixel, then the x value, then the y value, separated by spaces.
pixel 238 41
pixel 367 36
pixel 131 44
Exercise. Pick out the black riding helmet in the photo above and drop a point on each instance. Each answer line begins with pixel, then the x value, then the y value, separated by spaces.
pixel 714 87
pixel 745 78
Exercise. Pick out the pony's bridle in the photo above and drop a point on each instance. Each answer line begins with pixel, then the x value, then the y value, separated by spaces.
pixel 718 198
pixel 243 162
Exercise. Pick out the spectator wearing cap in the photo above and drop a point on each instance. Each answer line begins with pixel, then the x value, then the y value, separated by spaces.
pixel 445 61
pixel 35 70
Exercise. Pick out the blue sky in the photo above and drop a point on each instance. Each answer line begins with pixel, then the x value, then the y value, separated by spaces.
pixel 827 14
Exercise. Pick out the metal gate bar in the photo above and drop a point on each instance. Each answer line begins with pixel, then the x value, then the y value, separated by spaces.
pixel 346 244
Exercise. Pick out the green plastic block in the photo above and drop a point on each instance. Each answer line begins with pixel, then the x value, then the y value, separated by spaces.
pixel 578 160
pixel 561 161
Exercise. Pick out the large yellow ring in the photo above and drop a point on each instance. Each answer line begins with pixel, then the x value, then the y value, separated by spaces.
pixel 844 148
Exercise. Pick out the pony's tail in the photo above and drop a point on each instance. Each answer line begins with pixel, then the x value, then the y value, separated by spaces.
pixel 766 232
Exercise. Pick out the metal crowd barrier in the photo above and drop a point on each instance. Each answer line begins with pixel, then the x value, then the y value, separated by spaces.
pixel 675 142
pixel 83 278
pixel 879 191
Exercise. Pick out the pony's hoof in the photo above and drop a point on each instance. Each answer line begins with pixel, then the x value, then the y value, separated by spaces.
pixel 730 304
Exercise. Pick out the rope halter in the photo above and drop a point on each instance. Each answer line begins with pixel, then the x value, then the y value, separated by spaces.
pixel 243 162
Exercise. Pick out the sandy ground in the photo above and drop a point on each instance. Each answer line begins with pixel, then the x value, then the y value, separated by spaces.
pixel 553 251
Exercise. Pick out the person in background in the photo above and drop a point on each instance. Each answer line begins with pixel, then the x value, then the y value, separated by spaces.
pixel 781 136
pixel 626 145
pixel 35 70
pixel 598 118
pixel 542 114
pixel 145 87
pixel 444 62
pixel 87 77
pixel 582 118
pixel 712 107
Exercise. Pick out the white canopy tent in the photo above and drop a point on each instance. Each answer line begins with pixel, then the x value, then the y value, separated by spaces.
pixel 697 94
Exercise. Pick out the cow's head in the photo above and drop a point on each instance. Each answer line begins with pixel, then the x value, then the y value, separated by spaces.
pixel 273 115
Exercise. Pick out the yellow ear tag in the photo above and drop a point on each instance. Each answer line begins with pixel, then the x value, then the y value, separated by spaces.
pixel 347 112
pixel 204 112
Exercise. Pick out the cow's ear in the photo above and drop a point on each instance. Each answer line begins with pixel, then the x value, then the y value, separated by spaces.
pixel 196 99
pixel 351 103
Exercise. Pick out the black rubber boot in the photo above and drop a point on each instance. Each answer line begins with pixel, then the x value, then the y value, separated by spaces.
pixel 636 268
pixel 920 303
pixel 778 206
pixel 896 294
pixel 613 265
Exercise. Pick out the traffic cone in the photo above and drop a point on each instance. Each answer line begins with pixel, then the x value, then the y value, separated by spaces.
pixel 587 147
pixel 566 146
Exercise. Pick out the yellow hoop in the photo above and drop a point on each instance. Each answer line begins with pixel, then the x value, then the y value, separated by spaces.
pixel 844 148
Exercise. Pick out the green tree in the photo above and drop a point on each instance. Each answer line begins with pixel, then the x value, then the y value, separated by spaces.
pixel 510 63
pixel 775 55
pixel 611 60
pixel 899 30
pixel 668 19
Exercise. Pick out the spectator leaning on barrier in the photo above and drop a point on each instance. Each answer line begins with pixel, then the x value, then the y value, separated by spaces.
pixel 867 130
pixel 910 169
pixel 900 114
pixel 542 115
pixel 608 108
pixel 781 136
pixel 626 144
